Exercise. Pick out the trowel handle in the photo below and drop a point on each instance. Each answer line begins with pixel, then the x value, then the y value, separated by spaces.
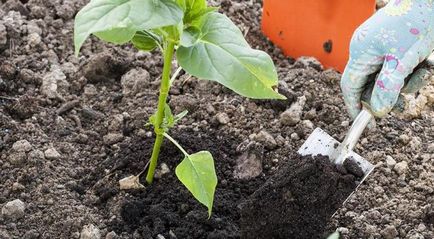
pixel 356 130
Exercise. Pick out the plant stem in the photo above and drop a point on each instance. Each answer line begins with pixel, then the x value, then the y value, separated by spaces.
pixel 164 92
pixel 176 144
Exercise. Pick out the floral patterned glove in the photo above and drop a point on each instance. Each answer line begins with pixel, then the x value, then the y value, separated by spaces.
pixel 391 43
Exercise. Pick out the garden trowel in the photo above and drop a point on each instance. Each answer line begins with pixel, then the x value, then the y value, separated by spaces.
pixel 321 143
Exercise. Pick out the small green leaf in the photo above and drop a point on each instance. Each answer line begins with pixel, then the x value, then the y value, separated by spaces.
pixel 189 36
pixel 145 40
pixel 335 235
pixel 169 119
pixel 109 18
pixel 198 174
pixel 195 17
pixel 181 115
pixel 222 54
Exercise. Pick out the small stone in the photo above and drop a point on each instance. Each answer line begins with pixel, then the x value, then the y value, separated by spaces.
pixel 164 169
pixel 401 167
pixel 111 235
pixel 90 232
pixel 134 81
pixel 34 39
pixel 90 90
pixel 389 232
pixel 390 162
pixel 50 81
pixel 404 139
pixel 308 124
pixel 249 165
pixel 51 153
pixel 113 138
pixel 17 186
pixel 293 115
pixel 295 136
pixel 22 146
pixel 14 209
pixel 222 118
pixel 345 123
pixel 159 236
pixel 343 230
pixel 267 139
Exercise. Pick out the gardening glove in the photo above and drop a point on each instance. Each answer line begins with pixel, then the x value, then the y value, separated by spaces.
pixel 385 52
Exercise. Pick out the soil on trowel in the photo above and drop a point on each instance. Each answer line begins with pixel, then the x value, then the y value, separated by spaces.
pixel 298 201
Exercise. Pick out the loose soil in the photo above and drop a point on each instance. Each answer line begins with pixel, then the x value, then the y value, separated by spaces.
pixel 297 201
pixel 71 127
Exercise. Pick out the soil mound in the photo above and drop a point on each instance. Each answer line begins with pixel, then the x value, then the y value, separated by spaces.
pixel 298 201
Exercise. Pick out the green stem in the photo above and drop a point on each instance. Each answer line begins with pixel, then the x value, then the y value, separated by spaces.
pixel 164 92
pixel 176 144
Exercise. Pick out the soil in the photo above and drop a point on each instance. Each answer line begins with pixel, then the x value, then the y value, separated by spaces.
pixel 71 128
pixel 297 201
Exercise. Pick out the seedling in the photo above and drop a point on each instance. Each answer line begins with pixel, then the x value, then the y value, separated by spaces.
pixel 208 46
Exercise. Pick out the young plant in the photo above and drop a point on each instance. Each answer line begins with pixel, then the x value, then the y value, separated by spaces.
pixel 208 46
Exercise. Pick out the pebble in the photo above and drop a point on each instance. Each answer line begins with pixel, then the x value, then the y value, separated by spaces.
pixel 113 138
pixel 222 118
pixel 49 83
pixel 16 186
pixel 90 232
pixel 164 169
pixel 14 209
pixel 390 162
pixel 295 136
pixel 345 123
pixel 22 146
pixel 267 139
pixel 111 235
pixel 401 168
pixel 389 232
pixel 51 153
pixel 249 165
pixel 292 115
pixel 404 139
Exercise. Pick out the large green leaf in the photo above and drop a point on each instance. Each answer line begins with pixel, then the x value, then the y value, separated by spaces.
pixel 117 20
pixel 222 54
pixel 197 173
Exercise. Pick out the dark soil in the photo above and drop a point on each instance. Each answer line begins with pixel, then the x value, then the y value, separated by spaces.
pixel 298 201
pixel 166 207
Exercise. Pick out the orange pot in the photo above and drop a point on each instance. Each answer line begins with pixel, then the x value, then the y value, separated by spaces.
pixel 318 28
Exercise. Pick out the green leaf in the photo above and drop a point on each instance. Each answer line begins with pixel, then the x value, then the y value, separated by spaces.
pixel 335 235
pixel 116 35
pixel 181 115
pixel 112 18
pixel 198 174
pixel 169 119
pixel 145 40
pixel 194 18
pixel 222 54
pixel 190 36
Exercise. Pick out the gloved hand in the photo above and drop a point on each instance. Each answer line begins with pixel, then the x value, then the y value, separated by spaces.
pixel 392 43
